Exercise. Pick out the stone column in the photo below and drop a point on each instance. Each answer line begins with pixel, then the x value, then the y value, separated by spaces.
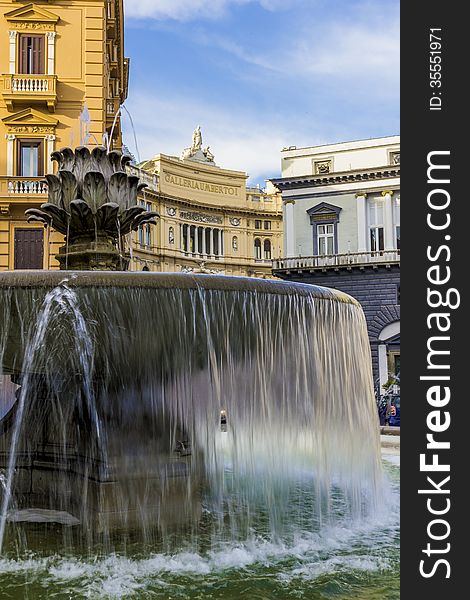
pixel 13 38
pixel 194 229
pixel 196 240
pixel 51 52
pixel 388 220
pixel 50 139
pixel 211 249
pixel 383 365
pixel 204 240
pixel 10 152
pixel 361 222
pixel 220 243
pixel 289 229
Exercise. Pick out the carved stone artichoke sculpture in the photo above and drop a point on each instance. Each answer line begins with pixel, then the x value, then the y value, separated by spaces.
pixel 93 202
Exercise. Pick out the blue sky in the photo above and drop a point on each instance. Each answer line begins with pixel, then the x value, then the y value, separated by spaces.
pixel 259 75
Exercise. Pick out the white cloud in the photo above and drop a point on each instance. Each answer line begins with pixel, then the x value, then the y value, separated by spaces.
pixel 180 10
pixel 186 10
pixel 239 141
pixel 348 51
pixel 366 50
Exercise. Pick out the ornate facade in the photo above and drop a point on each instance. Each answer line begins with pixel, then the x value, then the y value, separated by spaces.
pixel 210 221
pixel 342 230
pixel 63 76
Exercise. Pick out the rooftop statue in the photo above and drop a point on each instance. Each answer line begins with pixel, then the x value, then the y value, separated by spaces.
pixel 196 152
pixel 197 139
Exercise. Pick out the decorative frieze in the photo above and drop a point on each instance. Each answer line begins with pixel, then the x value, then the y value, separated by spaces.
pixel 33 26
pixel 200 217
pixel 323 167
pixel 37 129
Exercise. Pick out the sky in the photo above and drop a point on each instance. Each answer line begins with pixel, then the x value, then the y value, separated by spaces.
pixel 259 75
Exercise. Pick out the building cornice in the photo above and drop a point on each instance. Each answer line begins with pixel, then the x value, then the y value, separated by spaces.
pixel 252 212
pixel 359 175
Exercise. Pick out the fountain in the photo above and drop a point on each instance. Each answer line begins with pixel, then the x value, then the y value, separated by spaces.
pixel 93 202
pixel 114 384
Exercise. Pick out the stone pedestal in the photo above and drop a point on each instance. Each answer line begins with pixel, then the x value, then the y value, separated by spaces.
pixel 92 253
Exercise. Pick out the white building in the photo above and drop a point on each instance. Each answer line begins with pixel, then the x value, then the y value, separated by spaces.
pixel 342 230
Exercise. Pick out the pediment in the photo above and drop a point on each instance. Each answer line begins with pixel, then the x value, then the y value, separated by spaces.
pixel 29 116
pixel 31 13
pixel 324 209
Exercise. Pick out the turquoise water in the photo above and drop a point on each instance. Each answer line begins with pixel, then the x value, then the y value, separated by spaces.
pixel 343 561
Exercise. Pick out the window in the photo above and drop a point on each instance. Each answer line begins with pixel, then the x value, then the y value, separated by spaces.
pixel 30 157
pixel 376 225
pixel 376 239
pixel 324 219
pixel 326 239
pixel 267 250
pixel 397 235
pixel 31 55
pixel 258 249
pixel 258 224
pixel 267 225
pixel 145 231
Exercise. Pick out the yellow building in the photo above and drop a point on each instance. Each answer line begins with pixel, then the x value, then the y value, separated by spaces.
pixel 63 76
pixel 210 221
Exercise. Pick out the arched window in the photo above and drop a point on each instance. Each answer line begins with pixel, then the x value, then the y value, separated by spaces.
pixel 257 249
pixel 267 249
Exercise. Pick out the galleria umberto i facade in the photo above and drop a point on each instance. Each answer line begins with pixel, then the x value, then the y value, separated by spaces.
pixel 210 221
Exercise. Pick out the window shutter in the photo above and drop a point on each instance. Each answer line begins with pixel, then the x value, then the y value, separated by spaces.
pixel 41 160
pixel 38 55
pixel 23 66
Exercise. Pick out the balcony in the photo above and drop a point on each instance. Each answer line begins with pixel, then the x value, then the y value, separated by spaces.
pixel 27 89
pixel 357 260
pixel 21 187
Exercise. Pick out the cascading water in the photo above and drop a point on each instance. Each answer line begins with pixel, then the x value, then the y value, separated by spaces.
pixel 122 379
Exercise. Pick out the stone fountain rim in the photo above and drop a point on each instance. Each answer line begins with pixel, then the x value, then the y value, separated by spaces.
pixel 149 280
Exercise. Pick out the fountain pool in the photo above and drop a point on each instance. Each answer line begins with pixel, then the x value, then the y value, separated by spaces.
pixel 117 478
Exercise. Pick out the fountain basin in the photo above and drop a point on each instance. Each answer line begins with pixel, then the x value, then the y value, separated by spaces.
pixel 117 372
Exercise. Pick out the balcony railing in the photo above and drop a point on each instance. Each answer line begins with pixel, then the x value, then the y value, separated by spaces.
pixel 351 259
pixel 28 88
pixel 23 186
